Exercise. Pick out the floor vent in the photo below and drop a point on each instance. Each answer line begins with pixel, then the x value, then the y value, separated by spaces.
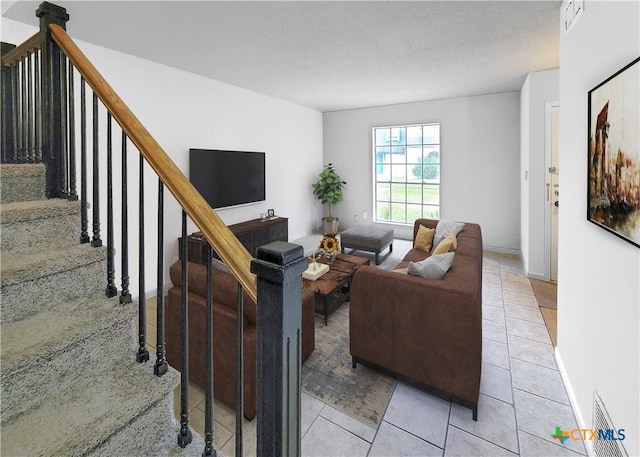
pixel 608 445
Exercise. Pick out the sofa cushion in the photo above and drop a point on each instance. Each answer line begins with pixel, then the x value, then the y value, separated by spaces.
pixel 434 267
pixel 444 228
pixel 424 239
pixel 448 244
pixel 414 255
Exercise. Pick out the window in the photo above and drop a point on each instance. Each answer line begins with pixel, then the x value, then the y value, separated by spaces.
pixel 407 173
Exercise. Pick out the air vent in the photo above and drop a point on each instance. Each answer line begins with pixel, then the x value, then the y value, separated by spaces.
pixel 602 421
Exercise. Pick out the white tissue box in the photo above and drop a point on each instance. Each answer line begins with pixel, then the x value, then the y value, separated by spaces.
pixel 312 273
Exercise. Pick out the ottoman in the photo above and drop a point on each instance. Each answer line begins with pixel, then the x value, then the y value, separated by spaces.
pixel 368 238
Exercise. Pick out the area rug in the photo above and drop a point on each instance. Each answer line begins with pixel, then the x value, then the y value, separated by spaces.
pixel 327 374
pixel 546 293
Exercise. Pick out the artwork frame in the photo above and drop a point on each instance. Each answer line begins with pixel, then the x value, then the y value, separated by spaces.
pixel 613 154
pixel 271 213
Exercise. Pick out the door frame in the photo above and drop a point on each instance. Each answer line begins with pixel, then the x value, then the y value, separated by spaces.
pixel 547 175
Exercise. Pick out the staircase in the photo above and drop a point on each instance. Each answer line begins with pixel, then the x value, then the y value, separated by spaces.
pixel 69 378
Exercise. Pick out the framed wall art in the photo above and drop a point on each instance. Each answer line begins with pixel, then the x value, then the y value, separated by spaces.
pixel 614 154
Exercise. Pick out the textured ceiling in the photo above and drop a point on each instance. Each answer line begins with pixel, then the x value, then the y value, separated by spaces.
pixel 330 55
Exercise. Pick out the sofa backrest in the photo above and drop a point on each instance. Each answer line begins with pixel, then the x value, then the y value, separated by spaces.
pixel 429 223
pixel 469 240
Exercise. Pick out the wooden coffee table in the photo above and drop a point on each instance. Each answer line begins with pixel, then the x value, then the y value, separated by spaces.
pixel 332 288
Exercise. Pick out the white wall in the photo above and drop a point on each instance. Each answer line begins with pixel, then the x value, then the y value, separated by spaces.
pixel 183 110
pixel 599 273
pixel 480 154
pixel 539 88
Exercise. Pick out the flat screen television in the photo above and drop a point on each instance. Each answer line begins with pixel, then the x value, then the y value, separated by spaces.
pixel 228 178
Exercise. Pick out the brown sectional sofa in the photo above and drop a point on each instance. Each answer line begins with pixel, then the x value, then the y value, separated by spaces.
pixel 225 288
pixel 428 332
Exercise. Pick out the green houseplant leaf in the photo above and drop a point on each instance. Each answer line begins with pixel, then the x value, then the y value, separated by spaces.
pixel 329 188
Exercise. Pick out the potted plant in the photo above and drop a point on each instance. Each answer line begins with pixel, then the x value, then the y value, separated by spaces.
pixel 329 190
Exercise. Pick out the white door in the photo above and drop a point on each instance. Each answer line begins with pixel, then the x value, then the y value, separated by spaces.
pixel 554 190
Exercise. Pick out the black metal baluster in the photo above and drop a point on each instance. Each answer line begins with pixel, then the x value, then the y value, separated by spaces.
pixel 27 89
pixel 161 365
pixel 64 151
pixel 125 295
pixel 95 240
pixel 208 390
pixel 84 201
pixel 6 139
pixel 14 110
pixel 111 290
pixel 184 435
pixel 73 195
pixel 22 133
pixel 38 103
pixel 143 353
pixel 239 369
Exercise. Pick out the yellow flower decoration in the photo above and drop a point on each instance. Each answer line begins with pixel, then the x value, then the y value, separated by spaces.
pixel 329 244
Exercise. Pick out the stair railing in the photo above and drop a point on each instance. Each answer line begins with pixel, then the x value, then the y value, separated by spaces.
pixel 21 95
pixel 43 129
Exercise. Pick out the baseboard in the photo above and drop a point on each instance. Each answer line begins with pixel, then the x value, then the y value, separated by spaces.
pixel 501 250
pixel 539 276
pixel 573 400
pixel 293 238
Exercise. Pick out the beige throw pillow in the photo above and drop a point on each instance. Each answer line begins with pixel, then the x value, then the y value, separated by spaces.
pixel 424 238
pixel 448 244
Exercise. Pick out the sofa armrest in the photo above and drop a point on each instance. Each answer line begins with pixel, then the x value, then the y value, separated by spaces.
pixel 371 310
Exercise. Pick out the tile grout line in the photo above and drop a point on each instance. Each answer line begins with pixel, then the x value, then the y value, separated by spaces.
pixel 343 428
pixel 545 398
pixel 418 437
pixel 487 441
pixel 515 413
pixel 533 363
pixel 552 443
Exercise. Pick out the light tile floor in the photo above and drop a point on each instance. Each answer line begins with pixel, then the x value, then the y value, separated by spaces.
pixel 522 397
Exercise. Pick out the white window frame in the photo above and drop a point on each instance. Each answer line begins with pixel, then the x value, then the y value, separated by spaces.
pixel 392 154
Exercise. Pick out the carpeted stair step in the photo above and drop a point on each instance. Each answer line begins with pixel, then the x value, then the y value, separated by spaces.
pixel 42 280
pixel 153 434
pixel 69 380
pixel 77 424
pixel 22 182
pixel 63 349
pixel 39 224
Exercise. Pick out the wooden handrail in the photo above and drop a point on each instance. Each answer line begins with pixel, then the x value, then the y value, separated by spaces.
pixel 232 252
pixel 21 51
